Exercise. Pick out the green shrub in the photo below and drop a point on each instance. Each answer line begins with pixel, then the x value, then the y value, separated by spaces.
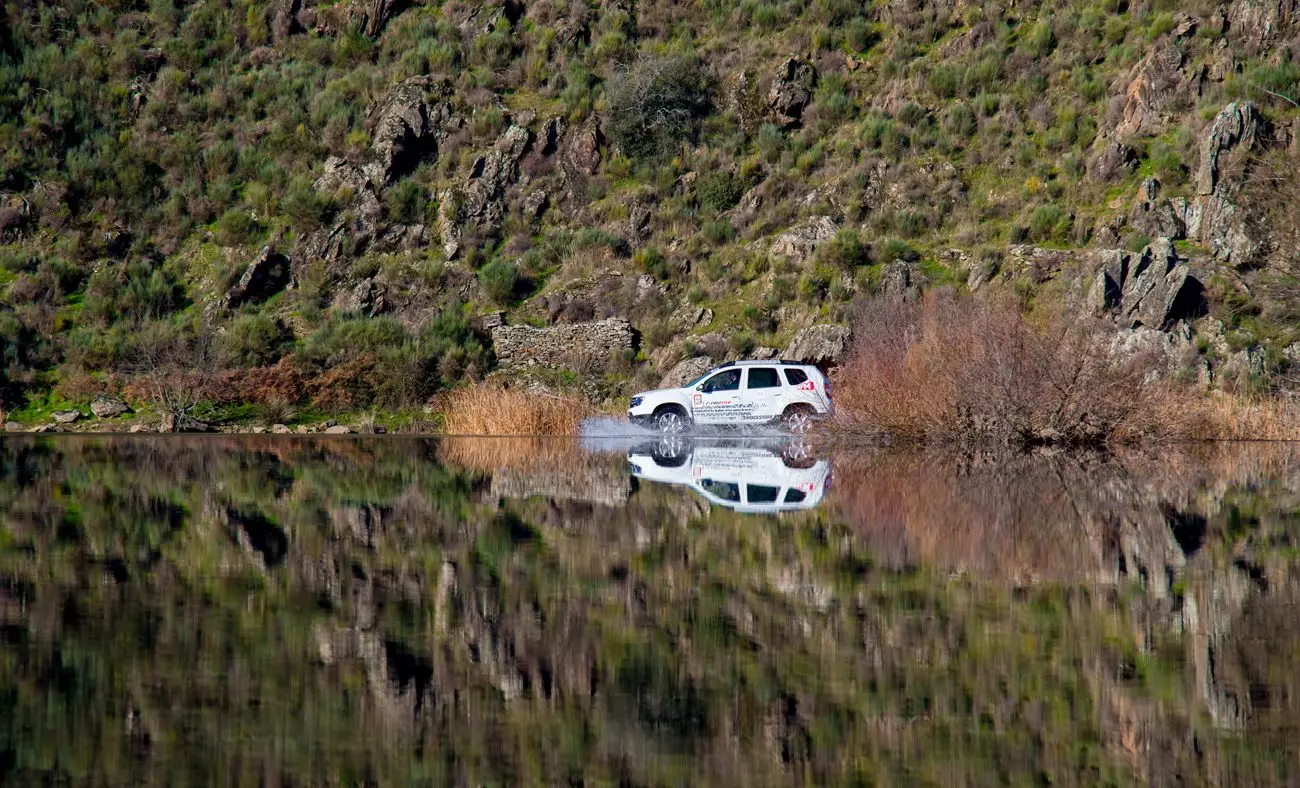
pixel 1049 223
pixel 499 279
pixel 895 250
pixel 655 103
pixel 235 228
pixel 718 231
pixel 719 191
pixel 847 250
pixel 252 340
pixel 652 261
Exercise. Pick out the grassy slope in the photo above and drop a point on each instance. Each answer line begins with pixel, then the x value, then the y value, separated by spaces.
pixel 159 147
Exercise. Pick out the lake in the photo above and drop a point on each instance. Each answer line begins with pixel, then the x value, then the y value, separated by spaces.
pixel 273 611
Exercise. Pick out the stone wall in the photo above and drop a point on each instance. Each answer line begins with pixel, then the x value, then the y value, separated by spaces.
pixel 586 347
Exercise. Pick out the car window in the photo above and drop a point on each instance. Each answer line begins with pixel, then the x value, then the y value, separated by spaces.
pixel 794 496
pixel 763 378
pixel 796 376
pixel 758 493
pixel 724 490
pixel 728 380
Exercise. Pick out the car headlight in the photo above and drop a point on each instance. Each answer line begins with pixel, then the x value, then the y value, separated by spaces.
pixel 637 401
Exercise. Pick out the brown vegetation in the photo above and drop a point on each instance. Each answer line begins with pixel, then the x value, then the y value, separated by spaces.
pixel 491 409
pixel 952 369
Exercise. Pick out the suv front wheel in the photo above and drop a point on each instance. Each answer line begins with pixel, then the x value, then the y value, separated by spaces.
pixel 671 420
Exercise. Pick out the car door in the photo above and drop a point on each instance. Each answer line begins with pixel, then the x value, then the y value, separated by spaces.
pixel 718 400
pixel 763 394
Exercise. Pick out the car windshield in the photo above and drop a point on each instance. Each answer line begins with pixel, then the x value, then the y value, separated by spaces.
pixel 696 382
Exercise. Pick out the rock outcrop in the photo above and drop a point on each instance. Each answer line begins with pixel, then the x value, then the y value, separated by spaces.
pixel 1152 289
pixel 791 92
pixel 1157 84
pixel 1210 217
pixel 1111 159
pixel 799 243
pixel 407 127
pixel 584 347
pixel 685 371
pixel 265 276
pixel 822 344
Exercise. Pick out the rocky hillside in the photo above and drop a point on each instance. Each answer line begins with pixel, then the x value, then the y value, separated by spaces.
pixel 354 204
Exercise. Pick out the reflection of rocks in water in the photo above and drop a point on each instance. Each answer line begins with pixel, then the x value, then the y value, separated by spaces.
pixel 256 533
pixel 604 483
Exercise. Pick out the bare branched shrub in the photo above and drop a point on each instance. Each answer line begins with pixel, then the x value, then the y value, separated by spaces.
pixel 951 369
pixel 490 409
pixel 655 103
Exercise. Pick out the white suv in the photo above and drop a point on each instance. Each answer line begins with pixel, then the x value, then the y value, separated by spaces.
pixel 741 393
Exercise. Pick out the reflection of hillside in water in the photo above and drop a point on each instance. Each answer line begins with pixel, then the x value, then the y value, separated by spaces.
pixel 390 610
pixel 1208 533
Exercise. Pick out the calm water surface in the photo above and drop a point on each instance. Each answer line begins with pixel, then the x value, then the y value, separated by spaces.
pixel 278 611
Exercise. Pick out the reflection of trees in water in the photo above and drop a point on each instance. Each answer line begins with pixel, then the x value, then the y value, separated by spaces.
pixel 411 626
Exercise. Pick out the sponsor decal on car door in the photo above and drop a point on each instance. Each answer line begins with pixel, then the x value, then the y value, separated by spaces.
pixel 719 400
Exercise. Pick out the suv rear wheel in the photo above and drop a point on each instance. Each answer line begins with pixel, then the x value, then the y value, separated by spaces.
pixel 798 419
pixel 671 420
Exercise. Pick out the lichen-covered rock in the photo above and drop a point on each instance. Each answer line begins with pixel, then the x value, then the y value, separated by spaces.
pixel 799 243
pixel 791 92
pixel 686 371
pixel 585 347
pixel 821 344
pixel 66 416
pixel 582 151
pixel 106 407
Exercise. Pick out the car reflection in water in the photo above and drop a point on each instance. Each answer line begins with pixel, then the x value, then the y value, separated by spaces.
pixel 750 476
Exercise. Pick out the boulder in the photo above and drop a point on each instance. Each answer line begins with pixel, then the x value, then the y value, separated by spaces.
pixel 338 429
pixel 686 371
pixel 791 91
pixel 13 426
pixel 896 282
pixel 799 243
pixel 582 346
pixel 280 429
pixel 821 344
pixel 106 407
pixel 265 276
pixel 65 416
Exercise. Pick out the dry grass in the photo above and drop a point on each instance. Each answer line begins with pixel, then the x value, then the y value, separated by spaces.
pixel 953 370
pixel 492 409
pixel 1237 417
